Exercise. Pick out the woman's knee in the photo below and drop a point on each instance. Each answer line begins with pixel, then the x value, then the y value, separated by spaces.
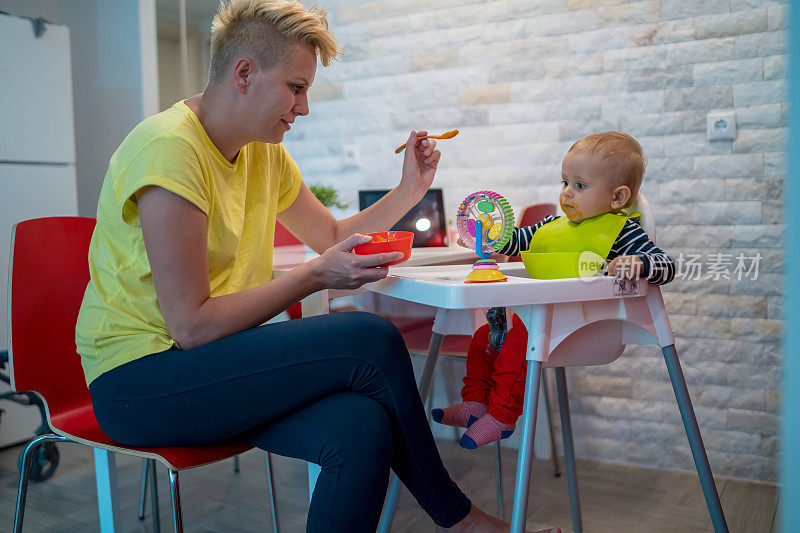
pixel 377 337
pixel 362 438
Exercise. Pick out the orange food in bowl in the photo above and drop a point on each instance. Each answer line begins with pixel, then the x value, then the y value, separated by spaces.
pixel 387 241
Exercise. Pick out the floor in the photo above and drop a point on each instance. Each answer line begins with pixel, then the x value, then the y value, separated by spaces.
pixel 214 498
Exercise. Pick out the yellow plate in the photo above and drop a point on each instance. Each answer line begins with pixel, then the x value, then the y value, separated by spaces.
pixel 561 265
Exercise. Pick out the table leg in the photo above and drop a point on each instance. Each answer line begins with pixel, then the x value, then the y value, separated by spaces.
pixel 390 506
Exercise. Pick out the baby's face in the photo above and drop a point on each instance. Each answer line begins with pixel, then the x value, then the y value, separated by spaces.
pixel 586 189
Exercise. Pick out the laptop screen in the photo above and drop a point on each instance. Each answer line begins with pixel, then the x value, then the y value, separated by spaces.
pixel 426 219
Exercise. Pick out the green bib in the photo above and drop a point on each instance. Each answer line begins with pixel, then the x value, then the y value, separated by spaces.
pixel 596 234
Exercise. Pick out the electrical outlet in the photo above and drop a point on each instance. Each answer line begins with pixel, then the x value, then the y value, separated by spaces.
pixel 721 126
pixel 351 153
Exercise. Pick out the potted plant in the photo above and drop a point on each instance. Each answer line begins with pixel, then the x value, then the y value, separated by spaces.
pixel 328 195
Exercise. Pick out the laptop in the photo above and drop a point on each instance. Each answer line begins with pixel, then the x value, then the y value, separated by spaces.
pixel 426 219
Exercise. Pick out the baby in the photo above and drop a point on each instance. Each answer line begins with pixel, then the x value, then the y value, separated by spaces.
pixel 600 175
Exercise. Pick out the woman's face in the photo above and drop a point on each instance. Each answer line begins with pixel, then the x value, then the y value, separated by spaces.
pixel 279 95
pixel 585 186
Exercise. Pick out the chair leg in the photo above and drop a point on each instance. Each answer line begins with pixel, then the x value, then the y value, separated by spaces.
pixel 236 464
pixel 695 440
pixel 105 476
pixel 174 488
pixel 525 454
pixel 22 491
pixel 154 496
pixel 569 449
pixel 149 478
pixel 143 488
pixel 273 508
pixel 553 450
pixel 498 473
pixel 390 506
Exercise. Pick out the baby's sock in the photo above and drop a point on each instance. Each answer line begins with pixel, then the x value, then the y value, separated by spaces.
pixel 459 415
pixel 485 430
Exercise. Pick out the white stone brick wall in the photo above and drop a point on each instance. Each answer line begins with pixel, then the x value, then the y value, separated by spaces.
pixel 522 80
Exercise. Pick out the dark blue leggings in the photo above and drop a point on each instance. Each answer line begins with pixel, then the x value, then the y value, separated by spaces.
pixel 336 390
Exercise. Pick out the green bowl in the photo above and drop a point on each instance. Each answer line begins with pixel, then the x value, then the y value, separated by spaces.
pixel 561 265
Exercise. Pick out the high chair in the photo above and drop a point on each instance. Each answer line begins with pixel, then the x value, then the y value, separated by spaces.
pixel 571 322
pixel 48 276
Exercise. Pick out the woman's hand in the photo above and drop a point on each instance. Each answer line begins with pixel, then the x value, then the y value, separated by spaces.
pixel 419 163
pixel 626 267
pixel 339 268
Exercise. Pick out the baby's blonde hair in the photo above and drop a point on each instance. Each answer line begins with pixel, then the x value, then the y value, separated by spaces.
pixel 622 153
pixel 264 29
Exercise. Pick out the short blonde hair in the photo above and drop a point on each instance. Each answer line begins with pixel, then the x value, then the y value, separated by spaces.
pixel 622 153
pixel 264 30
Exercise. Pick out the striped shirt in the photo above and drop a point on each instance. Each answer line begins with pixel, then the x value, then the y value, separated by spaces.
pixel 659 268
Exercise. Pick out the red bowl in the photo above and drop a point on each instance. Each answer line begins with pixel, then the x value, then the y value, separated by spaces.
pixel 387 241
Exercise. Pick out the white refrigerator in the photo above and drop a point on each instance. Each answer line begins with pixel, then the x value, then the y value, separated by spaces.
pixel 37 158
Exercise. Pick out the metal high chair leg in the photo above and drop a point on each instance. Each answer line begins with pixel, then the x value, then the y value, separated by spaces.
pixel 553 450
pixel 525 453
pixel 273 510
pixel 25 470
pixel 695 440
pixel 498 474
pixel 174 489
pixel 390 506
pixel 448 399
pixel 429 403
pixel 569 449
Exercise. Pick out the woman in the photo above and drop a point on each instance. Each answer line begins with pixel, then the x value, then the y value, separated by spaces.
pixel 181 264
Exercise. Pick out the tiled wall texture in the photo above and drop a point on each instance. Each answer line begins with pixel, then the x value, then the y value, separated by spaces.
pixel 524 79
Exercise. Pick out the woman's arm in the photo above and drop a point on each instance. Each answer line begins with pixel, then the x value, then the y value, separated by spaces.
pixel 313 224
pixel 174 232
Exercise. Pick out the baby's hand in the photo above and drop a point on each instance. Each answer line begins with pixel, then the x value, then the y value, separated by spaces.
pixel 626 267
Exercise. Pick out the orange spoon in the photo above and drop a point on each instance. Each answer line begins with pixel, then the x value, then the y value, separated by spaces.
pixel 446 135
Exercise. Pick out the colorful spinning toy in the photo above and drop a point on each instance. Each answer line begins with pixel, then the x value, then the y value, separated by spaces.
pixel 485 223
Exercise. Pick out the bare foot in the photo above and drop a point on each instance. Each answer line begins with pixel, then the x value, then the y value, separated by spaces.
pixel 479 522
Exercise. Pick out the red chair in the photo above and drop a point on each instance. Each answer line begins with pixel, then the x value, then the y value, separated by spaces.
pixel 48 276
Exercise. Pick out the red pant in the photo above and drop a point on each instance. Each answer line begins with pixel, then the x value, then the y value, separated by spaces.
pixel 498 380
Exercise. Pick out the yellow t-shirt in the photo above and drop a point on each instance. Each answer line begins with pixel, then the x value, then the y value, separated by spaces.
pixel 120 319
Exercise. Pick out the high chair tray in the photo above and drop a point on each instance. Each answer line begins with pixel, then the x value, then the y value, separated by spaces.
pixel 443 286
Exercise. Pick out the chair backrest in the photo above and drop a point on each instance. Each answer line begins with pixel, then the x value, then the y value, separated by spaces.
pixel 47 278
pixel 647 219
pixel 530 215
